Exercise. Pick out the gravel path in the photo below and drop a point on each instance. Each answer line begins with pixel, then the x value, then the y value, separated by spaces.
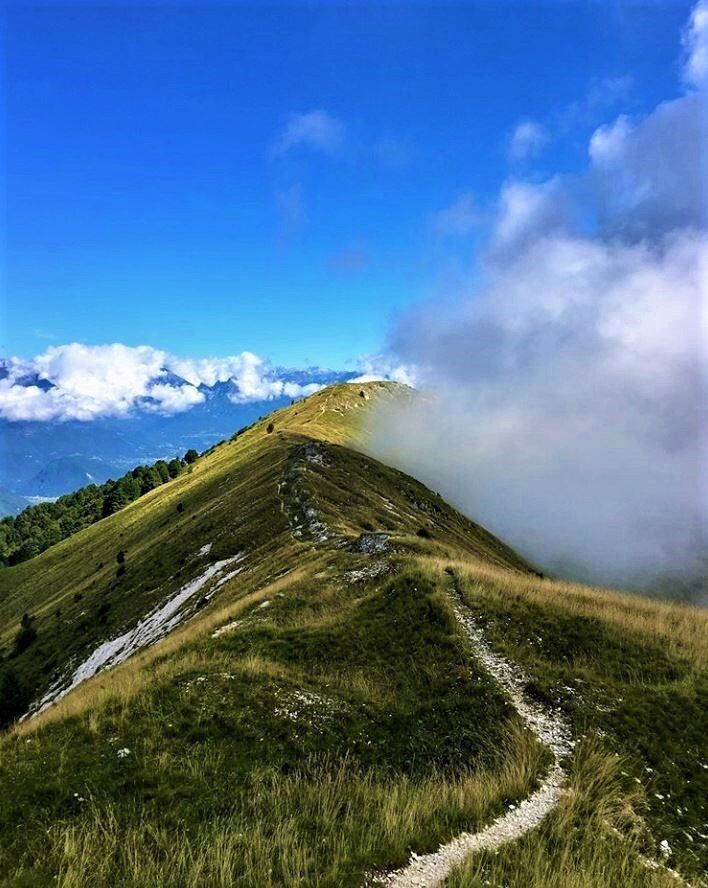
pixel 427 870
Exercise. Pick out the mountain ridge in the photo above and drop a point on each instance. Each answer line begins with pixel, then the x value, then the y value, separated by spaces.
pixel 312 710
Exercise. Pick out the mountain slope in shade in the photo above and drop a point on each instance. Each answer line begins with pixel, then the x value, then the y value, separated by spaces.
pixel 11 503
pixel 68 472
pixel 255 675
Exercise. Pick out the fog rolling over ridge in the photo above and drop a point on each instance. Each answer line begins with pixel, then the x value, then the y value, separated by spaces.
pixel 568 381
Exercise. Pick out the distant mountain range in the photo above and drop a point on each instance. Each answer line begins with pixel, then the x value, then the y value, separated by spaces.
pixel 52 457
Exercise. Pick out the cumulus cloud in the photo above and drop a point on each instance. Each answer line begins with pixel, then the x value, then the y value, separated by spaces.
pixel 380 368
pixel 530 137
pixel 648 175
pixel 569 411
pixel 527 140
pixel 85 382
pixel 316 130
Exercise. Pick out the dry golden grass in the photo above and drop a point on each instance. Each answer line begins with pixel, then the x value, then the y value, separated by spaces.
pixel 593 839
pixel 680 628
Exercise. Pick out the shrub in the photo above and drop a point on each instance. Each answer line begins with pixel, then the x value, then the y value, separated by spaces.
pixel 26 634
pixel 13 697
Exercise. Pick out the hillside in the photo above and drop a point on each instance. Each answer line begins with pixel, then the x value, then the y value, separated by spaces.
pixel 318 667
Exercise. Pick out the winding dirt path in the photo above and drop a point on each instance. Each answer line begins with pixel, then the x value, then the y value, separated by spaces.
pixel 427 870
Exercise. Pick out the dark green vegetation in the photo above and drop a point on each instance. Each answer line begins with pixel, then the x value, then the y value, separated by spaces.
pixel 316 714
pixel 36 528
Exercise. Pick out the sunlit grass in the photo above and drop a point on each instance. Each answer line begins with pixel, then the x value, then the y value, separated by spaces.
pixel 683 628
pixel 595 838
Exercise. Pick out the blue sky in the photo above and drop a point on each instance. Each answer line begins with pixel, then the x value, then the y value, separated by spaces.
pixel 287 179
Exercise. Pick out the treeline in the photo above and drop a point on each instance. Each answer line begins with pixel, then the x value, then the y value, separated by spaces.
pixel 38 527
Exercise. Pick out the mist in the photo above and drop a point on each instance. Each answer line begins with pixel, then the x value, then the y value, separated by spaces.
pixel 565 384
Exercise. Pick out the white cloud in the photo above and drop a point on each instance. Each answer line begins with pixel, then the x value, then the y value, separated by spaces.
pixel 609 141
pixel 101 377
pixel 87 382
pixel 527 140
pixel 170 399
pixel 84 382
pixel 316 130
pixel 460 218
pixel 380 368
pixel 571 405
pixel 208 371
pixel 526 211
pixel 648 176
pixel 695 42
pixel 571 414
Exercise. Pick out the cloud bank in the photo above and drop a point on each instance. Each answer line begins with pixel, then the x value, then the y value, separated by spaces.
pixel 86 382
pixel 570 380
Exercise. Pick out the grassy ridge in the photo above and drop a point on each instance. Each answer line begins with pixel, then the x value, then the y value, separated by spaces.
pixel 320 715
pixel 77 593
pixel 347 704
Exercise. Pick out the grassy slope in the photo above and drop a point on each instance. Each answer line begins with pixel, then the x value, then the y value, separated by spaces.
pixel 327 733
pixel 343 723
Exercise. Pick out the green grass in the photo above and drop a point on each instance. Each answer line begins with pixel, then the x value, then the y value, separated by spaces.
pixel 252 759
pixel 647 702
pixel 320 827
